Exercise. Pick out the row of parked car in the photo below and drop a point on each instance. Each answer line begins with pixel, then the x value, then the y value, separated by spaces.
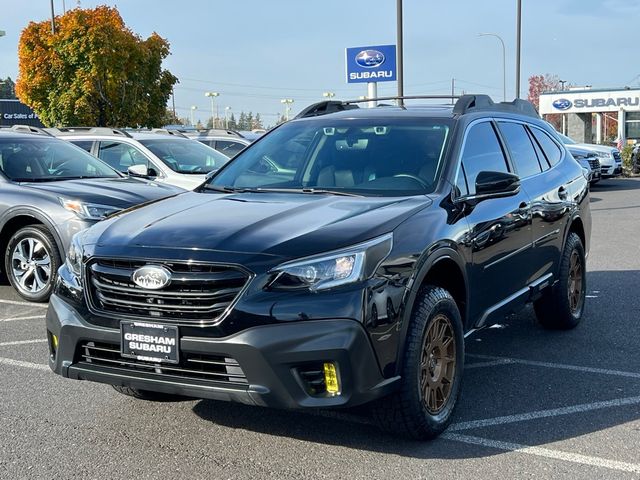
pixel 601 161
pixel 50 189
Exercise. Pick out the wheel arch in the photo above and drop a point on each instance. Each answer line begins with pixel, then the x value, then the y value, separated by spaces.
pixel 444 268
pixel 21 218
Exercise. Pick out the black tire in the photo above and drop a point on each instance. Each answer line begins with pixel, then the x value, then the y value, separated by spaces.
pixel 147 394
pixel 405 412
pixel 37 286
pixel 560 307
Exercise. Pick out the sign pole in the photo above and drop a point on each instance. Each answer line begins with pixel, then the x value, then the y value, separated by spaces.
pixel 372 92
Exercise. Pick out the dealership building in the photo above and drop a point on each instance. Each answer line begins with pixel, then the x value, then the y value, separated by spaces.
pixel 579 106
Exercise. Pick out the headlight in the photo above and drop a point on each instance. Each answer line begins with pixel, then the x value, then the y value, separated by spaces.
pixel 74 255
pixel 88 211
pixel 333 269
pixel 603 155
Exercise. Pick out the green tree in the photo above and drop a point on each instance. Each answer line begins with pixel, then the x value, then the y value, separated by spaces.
pixel 257 122
pixel 242 121
pixel 93 71
pixel 7 88
pixel 233 125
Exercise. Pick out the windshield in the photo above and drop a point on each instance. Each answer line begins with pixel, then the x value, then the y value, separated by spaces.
pixel 186 156
pixel 383 157
pixel 34 159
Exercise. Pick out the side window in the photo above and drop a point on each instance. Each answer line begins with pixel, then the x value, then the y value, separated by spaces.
pixel 522 152
pixel 229 148
pixel 121 155
pixel 84 144
pixel 482 152
pixel 548 146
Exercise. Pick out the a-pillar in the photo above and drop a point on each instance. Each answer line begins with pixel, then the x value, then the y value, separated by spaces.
pixel 579 127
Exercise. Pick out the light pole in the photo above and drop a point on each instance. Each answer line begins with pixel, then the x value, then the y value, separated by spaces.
pixel 504 62
pixel 53 20
pixel 518 41
pixel 212 96
pixel 193 111
pixel 328 95
pixel 399 60
pixel 287 107
pixel 226 117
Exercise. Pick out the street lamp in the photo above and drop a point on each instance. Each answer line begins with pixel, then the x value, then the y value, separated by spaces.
pixel 193 111
pixel 226 117
pixel 329 95
pixel 504 62
pixel 212 96
pixel 287 107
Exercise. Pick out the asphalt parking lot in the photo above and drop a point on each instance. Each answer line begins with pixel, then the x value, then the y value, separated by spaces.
pixel 535 403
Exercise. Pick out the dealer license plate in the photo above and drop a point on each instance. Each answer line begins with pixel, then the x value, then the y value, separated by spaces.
pixel 149 342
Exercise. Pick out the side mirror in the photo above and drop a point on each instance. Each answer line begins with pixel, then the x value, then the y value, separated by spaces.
pixel 139 170
pixel 497 184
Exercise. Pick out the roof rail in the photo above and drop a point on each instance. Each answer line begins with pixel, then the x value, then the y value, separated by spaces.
pixel 403 97
pixel 467 103
pixel 214 131
pixel 64 131
pixel 26 129
pixel 164 131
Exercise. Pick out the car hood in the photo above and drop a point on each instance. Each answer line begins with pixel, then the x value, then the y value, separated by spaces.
pixel 596 148
pixel 282 224
pixel 117 192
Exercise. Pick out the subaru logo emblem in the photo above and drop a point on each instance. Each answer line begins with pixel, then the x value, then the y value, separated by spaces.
pixel 370 58
pixel 562 104
pixel 151 277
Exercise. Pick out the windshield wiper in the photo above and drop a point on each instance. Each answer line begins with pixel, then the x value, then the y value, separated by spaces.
pixel 230 189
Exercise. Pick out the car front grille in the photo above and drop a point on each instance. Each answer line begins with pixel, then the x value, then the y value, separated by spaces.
pixel 218 368
pixel 197 293
pixel 617 157
pixel 594 163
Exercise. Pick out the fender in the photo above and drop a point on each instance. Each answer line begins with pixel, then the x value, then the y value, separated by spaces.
pixel 429 259
pixel 37 215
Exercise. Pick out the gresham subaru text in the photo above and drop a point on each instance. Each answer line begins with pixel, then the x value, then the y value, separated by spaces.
pixel 339 260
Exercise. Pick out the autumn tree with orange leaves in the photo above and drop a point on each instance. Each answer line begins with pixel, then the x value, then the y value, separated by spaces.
pixel 93 71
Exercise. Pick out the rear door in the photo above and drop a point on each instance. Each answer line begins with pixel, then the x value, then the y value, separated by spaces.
pixel 499 233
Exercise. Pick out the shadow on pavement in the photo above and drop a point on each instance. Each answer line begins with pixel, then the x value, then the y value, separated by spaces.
pixel 607 338
pixel 616 184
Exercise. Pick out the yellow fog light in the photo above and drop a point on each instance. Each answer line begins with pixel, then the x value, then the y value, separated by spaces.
pixel 54 341
pixel 331 379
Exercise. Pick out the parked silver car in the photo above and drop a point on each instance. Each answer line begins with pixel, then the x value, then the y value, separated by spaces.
pixel 50 190
pixel 166 156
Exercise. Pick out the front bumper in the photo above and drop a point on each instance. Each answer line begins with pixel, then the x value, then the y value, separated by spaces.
pixel 272 358
pixel 611 170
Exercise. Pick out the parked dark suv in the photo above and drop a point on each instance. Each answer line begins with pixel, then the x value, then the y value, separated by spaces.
pixel 351 277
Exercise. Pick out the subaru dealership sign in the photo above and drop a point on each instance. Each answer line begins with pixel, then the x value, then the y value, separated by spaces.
pixel 589 101
pixel 371 64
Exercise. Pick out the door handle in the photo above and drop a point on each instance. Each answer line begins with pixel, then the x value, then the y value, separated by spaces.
pixel 562 193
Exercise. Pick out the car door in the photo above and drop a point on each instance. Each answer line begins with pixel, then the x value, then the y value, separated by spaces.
pixel 121 156
pixel 499 234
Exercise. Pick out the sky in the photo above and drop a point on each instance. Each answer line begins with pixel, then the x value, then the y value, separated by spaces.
pixel 256 53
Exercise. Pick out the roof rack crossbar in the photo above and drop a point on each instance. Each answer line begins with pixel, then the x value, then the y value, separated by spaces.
pixel 403 97
pixel 164 131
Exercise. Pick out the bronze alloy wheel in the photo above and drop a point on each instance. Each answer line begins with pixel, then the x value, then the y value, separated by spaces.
pixel 438 364
pixel 574 285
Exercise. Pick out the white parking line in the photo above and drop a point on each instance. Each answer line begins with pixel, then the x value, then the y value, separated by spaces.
pixel 544 452
pixel 554 412
pixel 19 363
pixel 562 366
pixel 492 363
pixel 30 317
pixel 27 304
pixel 22 342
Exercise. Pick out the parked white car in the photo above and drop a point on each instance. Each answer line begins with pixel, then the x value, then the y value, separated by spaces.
pixel 162 155
pixel 609 157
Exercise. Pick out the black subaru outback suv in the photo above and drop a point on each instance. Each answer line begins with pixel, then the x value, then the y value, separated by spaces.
pixel 339 260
